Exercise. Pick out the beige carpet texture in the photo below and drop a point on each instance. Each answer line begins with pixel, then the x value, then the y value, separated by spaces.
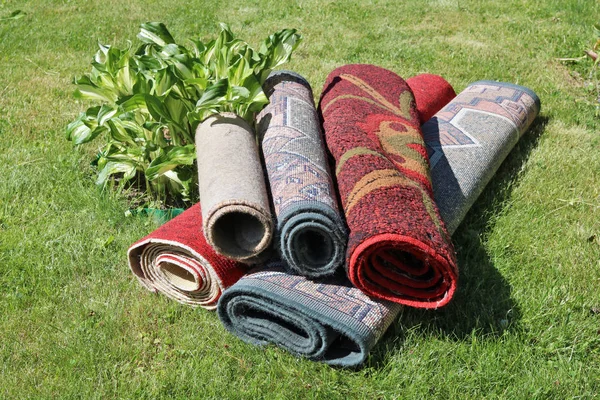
pixel 235 205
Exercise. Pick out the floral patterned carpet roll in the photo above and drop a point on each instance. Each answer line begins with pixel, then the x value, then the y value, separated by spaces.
pixel 470 137
pixel 177 261
pixel 311 234
pixel 399 249
pixel 432 92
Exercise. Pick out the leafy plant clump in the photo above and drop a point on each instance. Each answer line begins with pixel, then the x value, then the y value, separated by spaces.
pixel 151 100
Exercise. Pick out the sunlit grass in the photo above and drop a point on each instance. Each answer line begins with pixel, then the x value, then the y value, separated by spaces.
pixel 524 324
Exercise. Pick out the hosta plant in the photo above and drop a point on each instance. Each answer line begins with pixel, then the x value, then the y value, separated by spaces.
pixel 149 101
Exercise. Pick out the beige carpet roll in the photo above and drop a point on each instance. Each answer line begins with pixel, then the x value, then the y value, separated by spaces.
pixel 233 196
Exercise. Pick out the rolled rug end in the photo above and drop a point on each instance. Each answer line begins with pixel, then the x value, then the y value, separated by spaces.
pixel 235 205
pixel 313 242
pixel 328 321
pixel 177 261
pixel 404 270
pixel 432 93
pixel 239 231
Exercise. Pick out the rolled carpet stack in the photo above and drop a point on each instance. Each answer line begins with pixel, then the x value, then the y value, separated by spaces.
pixel 399 249
pixel 311 235
pixel 328 320
pixel 177 261
pixel 323 319
pixel 235 206
pixel 470 137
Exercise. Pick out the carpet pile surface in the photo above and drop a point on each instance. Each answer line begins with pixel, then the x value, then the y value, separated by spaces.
pixel 311 234
pixel 327 319
pixel 398 249
pixel 469 138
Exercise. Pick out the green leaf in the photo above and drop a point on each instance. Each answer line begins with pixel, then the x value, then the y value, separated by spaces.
pixel 199 83
pixel 118 132
pixel 147 62
pixel 85 128
pixel 133 129
pixel 91 92
pixel 17 14
pixel 155 32
pixel 276 50
pixel 157 108
pixel 172 158
pixel 126 77
pixel 152 98
pixel 78 132
pixel 239 92
pixel 164 81
pixel 142 84
pixel 133 103
pixel 198 48
pixel 106 112
pixel 161 114
pixel 115 167
pixel 213 93
pixel 239 72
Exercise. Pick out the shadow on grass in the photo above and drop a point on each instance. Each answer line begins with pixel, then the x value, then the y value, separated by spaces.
pixel 482 305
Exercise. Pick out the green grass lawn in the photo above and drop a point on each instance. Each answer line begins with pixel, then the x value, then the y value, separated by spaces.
pixel 525 322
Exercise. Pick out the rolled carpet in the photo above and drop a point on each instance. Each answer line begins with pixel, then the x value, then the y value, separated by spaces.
pixel 311 234
pixel 470 137
pixel 432 92
pixel 235 206
pixel 399 249
pixel 177 261
pixel 324 319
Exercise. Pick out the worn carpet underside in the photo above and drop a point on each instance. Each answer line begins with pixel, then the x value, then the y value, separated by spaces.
pixel 237 220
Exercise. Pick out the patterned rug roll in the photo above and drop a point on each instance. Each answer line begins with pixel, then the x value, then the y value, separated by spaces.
pixel 399 249
pixel 235 205
pixel 322 319
pixel 326 320
pixel 470 137
pixel 311 235
pixel 177 261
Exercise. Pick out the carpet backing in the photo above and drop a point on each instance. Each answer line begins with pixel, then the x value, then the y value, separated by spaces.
pixel 235 205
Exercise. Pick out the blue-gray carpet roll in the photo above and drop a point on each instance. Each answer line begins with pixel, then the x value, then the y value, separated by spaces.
pixel 311 235
pixel 327 320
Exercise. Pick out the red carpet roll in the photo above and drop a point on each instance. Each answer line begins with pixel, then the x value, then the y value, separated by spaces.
pixel 432 93
pixel 399 249
pixel 177 261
